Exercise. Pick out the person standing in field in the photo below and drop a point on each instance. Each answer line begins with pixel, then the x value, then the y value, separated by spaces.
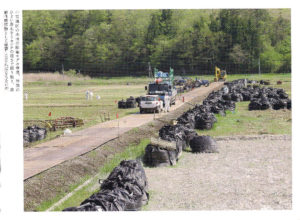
pixel 87 95
pixel 167 102
pixel 26 95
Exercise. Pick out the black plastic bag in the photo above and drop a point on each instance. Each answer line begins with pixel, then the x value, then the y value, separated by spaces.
pixel 203 144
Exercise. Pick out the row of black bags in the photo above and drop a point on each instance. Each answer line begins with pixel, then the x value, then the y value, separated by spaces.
pixel 125 189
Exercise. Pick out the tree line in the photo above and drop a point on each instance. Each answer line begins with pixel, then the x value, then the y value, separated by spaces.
pixel 133 42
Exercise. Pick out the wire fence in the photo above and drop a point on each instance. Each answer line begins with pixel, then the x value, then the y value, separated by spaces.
pixel 180 66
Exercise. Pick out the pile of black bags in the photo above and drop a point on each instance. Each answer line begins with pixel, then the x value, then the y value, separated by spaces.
pixel 125 189
pixel 131 102
pixel 160 156
pixel 156 156
pixel 261 98
pixel 178 133
pixel 202 117
pixel 203 144
pixel 33 133
pixel 269 98
pixel 205 121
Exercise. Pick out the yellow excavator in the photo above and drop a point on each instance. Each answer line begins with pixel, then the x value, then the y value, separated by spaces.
pixel 220 75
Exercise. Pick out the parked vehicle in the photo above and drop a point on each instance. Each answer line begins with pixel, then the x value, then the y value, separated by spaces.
pixel 151 103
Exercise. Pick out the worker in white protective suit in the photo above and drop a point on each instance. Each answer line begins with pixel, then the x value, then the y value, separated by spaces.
pixel 245 82
pixel 225 89
pixel 26 95
pixel 87 95
pixel 167 102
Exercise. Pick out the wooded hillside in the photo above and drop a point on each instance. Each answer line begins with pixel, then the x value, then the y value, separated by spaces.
pixel 127 42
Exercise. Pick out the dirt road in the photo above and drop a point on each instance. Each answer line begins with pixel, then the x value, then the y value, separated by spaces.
pixel 249 173
pixel 49 154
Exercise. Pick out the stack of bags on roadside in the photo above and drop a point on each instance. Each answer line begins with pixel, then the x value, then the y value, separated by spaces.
pixel 160 153
pixel 125 189
pixel 130 102
pixel 33 133
pixel 167 149
pixel 203 144
pixel 202 117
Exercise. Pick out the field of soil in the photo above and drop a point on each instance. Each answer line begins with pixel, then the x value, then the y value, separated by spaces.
pixel 249 173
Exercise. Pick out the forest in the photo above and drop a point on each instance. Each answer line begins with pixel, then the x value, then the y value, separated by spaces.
pixel 134 42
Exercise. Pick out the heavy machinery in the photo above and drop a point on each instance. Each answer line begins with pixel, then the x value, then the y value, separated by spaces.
pixel 179 82
pixel 163 86
pixel 220 75
pixel 189 84
pixel 201 82
pixel 183 83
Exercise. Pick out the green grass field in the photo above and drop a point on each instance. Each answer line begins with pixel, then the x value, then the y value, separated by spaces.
pixel 240 122
pixel 61 100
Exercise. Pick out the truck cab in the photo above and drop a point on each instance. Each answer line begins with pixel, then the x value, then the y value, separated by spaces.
pixel 162 89
pixel 163 86
pixel 151 103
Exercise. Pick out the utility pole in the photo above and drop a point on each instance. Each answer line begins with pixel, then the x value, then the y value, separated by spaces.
pixel 62 68
pixel 149 69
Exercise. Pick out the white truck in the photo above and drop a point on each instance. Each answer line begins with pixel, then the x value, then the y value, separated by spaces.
pixel 151 103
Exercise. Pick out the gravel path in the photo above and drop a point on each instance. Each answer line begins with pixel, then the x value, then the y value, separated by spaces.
pixel 249 173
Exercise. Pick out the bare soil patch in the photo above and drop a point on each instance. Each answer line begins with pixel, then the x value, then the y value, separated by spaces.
pixel 249 173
